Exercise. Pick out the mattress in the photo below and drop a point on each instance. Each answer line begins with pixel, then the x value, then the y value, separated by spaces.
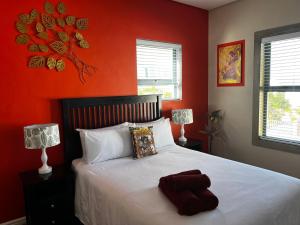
pixel 125 191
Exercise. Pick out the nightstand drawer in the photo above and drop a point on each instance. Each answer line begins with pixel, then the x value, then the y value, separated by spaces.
pixel 51 189
pixel 55 204
pixel 53 220
pixel 55 210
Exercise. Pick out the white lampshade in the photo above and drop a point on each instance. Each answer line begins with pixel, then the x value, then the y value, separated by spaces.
pixel 40 136
pixel 182 116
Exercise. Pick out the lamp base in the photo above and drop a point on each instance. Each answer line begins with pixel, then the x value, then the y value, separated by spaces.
pixel 45 169
pixel 182 139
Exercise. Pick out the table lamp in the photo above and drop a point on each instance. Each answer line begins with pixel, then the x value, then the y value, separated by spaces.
pixel 182 117
pixel 42 136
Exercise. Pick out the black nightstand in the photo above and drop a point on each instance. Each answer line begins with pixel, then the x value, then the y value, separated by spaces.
pixel 49 199
pixel 191 144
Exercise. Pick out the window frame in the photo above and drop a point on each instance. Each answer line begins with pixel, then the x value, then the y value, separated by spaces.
pixel 176 80
pixel 273 143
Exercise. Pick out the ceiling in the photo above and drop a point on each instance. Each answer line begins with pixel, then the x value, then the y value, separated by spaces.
pixel 205 4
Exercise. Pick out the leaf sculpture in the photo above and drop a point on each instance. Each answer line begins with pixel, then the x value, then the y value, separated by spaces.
pixel 63 36
pixel 53 37
pixel 22 39
pixel 79 36
pixel 25 18
pixel 82 24
pixel 21 27
pixel 70 20
pixel 43 48
pixel 60 65
pixel 61 8
pixel 37 62
pixel 39 27
pixel 34 14
pixel 61 22
pixel 48 21
pixel 49 7
pixel 33 48
pixel 51 63
pixel 43 35
pixel 59 47
pixel 84 44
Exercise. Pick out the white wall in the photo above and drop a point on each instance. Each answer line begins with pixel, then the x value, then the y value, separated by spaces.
pixel 233 22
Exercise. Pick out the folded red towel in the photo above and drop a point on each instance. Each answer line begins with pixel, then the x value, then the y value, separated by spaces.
pixel 187 202
pixel 188 192
pixel 208 200
pixel 191 182
pixel 189 172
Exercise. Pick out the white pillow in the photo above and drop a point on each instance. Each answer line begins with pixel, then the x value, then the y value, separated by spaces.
pixel 105 143
pixel 147 124
pixel 125 124
pixel 162 132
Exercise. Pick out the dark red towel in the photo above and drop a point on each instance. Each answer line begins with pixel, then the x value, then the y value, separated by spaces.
pixel 189 172
pixel 189 195
pixel 208 200
pixel 187 202
pixel 189 182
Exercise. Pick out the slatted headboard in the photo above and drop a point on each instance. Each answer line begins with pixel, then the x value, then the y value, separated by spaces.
pixel 98 112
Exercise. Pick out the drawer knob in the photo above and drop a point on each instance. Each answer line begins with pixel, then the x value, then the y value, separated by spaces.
pixel 53 221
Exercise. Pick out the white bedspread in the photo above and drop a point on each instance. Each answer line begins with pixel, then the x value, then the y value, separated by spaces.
pixel 125 192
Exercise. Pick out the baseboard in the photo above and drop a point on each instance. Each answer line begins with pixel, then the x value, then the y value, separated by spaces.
pixel 20 221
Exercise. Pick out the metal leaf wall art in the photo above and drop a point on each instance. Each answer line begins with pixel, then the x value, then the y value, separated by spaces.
pixel 51 35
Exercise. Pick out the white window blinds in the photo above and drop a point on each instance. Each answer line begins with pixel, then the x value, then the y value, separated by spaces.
pixel 159 69
pixel 280 88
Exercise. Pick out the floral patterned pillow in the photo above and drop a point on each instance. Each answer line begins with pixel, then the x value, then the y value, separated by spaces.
pixel 143 142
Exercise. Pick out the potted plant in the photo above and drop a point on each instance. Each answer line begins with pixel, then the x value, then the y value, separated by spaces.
pixel 214 127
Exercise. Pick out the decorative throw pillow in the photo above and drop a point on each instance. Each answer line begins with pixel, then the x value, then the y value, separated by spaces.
pixel 162 132
pixel 143 142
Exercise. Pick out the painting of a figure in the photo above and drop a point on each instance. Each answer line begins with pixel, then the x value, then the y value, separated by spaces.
pixel 231 64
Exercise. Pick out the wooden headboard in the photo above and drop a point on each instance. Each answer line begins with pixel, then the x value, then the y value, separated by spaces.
pixel 98 112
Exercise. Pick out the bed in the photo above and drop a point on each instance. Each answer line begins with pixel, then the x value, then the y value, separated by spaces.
pixel 124 191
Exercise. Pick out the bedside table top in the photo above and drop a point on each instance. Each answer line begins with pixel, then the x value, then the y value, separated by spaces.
pixel 189 142
pixel 33 177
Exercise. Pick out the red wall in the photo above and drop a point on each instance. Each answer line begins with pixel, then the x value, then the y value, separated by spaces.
pixel 30 96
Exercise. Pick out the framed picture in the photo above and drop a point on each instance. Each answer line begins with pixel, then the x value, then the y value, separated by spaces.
pixel 231 64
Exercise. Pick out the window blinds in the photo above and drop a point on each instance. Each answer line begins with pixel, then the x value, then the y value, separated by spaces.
pixel 280 88
pixel 159 68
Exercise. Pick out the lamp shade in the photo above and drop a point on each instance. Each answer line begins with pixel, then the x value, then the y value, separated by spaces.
pixel 182 116
pixel 40 136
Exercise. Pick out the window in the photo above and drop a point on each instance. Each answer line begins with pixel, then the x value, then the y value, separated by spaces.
pixel 159 69
pixel 277 88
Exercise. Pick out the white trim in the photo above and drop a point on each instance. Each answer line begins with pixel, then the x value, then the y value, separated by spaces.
pixel 19 221
pixel 158 44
